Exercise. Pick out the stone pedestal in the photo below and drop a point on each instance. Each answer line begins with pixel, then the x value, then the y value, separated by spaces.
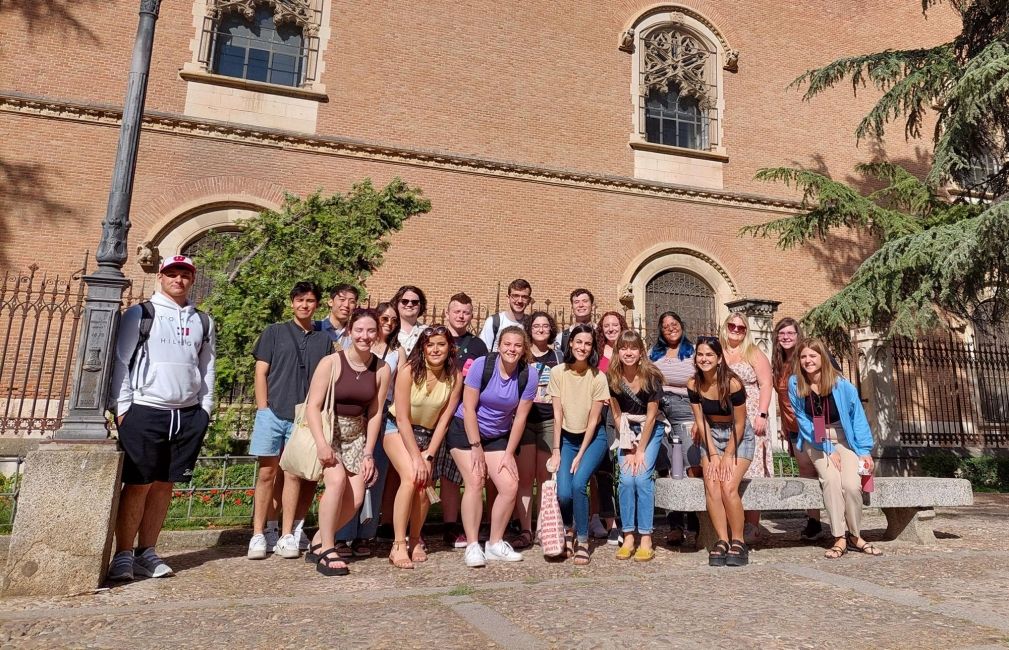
pixel 63 530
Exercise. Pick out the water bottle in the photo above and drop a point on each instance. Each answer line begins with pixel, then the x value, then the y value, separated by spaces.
pixel 677 460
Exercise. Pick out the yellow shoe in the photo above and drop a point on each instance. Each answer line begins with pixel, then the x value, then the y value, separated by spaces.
pixel 624 553
pixel 644 554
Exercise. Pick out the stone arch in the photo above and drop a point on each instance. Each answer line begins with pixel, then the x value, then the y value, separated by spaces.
pixel 665 257
pixel 185 212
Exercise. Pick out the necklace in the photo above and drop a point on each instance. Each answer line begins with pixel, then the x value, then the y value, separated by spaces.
pixel 357 373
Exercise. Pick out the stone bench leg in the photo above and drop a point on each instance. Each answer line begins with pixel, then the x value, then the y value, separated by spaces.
pixel 910 524
pixel 706 537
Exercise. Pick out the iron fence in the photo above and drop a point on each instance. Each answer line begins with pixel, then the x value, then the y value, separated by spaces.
pixel 952 391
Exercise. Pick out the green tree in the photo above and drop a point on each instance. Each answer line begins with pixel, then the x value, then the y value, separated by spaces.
pixel 328 240
pixel 939 253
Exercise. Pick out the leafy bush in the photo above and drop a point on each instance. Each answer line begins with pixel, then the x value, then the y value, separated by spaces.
pixel 940 463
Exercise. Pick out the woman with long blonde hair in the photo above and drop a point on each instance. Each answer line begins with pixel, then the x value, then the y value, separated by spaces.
pixel 835 433
pixel 752 367
pixel 635 392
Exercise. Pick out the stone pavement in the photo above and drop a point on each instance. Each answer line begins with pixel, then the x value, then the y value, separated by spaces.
pixel 952 595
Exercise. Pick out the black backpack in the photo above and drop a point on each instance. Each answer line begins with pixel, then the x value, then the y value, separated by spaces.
pixel 147 322
pixel 488 371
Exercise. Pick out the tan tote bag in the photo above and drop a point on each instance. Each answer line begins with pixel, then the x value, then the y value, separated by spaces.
pixel 301 456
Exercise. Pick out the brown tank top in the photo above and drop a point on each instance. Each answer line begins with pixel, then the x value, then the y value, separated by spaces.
pixel 354 391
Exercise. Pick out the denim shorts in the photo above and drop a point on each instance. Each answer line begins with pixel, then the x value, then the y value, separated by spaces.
pixel 269 433
pixel 720 434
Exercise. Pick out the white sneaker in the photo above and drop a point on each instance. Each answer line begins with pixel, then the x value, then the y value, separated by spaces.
pixel 272 535
pixel 150 565
pixel 287 547
pixel 121 567
pixel 501 552
pixel 596 528
pixel 257 547
pixel 474 556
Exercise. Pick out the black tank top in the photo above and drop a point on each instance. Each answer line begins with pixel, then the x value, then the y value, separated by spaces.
pixel 354 391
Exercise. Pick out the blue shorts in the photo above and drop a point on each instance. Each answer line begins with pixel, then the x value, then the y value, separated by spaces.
pixel 390 426
pixel 269 433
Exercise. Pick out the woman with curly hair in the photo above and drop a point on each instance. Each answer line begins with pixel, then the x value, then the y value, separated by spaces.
pixel 428 389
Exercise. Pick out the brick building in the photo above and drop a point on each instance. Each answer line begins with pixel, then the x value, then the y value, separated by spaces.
pixel 610 145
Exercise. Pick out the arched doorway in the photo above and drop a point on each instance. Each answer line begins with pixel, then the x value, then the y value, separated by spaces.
pixel 203 243
pixel 687 295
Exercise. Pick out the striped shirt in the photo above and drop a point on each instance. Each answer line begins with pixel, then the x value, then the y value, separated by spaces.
pixel 675 372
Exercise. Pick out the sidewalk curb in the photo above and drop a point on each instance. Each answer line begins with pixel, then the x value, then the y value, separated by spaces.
pixel 179 540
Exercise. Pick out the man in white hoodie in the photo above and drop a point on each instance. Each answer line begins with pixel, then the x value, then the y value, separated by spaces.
pixel 163 394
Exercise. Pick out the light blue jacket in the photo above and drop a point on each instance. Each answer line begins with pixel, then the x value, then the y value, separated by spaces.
pixel 852 416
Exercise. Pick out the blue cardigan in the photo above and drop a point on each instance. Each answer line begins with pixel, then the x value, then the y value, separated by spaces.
pixel 852 416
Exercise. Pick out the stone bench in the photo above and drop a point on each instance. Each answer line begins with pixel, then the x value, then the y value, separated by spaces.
pixel 907 502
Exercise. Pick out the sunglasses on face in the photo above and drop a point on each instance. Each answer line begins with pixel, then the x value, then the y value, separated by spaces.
pixel 736 329
pixel 387 319
pixel 787 335
pixel 406 302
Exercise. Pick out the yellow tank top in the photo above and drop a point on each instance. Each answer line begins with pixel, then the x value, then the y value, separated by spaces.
pixel 425 407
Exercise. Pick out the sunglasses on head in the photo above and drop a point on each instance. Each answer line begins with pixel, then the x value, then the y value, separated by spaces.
pixel 707 339
pixel 406 302
pixel 733 327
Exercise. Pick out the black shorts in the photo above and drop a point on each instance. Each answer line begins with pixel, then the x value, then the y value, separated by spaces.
pixel 456 438
pixel 161 444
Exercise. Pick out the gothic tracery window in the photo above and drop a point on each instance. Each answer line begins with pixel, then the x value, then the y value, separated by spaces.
pixel 678 95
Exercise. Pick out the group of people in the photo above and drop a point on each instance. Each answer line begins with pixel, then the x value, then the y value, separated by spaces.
pixel 488 415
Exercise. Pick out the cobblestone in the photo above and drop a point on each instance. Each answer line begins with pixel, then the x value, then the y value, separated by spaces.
pixel 948 595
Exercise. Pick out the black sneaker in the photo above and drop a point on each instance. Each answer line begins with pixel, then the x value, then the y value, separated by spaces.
pixel 614 537
pixel 812 531
pixel 450 530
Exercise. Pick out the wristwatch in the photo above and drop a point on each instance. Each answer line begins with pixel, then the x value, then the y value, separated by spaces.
pixel 763 415
pixel 475 444
pixel 428 457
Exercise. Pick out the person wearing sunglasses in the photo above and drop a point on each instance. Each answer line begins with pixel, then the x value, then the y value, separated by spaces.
pixel 835 433
pixel 787 339
pixel 520 297
pixel 753 368
pixel 357 539
pixel 411 305
pixel 428 390
pixel 718 400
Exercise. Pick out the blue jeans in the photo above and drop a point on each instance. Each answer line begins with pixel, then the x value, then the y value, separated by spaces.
pixel 354 529
pixel 572 489
pixel 637 492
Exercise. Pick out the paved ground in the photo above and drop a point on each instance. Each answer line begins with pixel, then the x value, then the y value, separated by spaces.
pixel 953 595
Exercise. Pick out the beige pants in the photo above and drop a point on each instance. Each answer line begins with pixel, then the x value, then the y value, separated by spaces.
pixel 842 490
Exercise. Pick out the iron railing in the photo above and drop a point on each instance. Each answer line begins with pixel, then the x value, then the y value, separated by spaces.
pixel 952 392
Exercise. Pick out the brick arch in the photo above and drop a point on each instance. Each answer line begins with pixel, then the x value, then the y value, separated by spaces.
pixel 680 256
pixel 219 197
pixel 704 12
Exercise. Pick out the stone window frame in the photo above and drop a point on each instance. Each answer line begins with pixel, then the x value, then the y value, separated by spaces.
pixel 722 59
pixel 312 15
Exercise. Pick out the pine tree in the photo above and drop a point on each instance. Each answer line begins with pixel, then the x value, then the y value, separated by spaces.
pixel 941 253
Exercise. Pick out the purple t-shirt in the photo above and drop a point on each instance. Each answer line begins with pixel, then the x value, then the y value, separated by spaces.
pixel 498 403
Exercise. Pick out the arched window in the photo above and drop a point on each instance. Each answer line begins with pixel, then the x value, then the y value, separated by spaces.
pixel 678 90
pixel 687 295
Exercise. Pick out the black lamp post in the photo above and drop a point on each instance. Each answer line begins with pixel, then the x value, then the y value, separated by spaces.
pixel 85 418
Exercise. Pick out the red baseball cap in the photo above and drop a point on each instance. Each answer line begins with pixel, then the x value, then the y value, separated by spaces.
pixel 177 260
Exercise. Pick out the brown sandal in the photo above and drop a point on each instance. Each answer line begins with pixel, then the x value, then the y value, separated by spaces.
pixel 418 553
pixel 401 563
pixel 582 557
pixel 866 547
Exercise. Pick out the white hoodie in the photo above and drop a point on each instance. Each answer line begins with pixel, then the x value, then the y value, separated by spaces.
pixel 173 371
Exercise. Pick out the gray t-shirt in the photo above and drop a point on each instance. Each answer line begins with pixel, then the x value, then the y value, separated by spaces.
pixel 293 355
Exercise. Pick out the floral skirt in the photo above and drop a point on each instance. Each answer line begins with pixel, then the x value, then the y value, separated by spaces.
pixel 348 441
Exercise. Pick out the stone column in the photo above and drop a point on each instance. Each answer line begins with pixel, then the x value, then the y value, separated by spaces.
pixel 879 398
pixel 759 314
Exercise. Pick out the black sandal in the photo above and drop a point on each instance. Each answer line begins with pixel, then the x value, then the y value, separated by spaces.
pixel 716 557
pixel 322 566
pixel 836 551
pixel 738 555
pixel 866 547
pixel 312 554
